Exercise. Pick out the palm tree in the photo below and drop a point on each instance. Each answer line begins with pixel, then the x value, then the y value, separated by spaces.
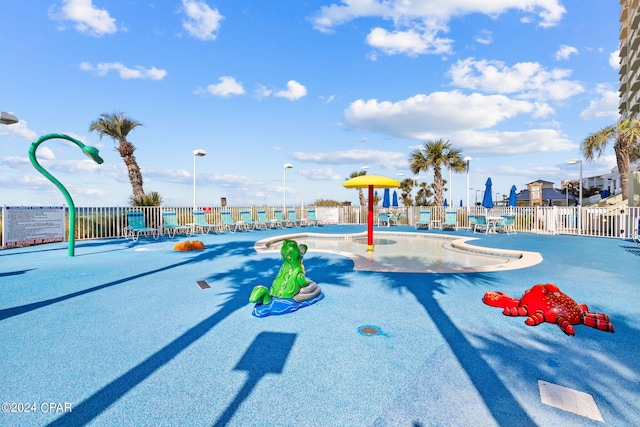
pixel 436 155
pixel 626 135
pixel 406 186
pixel 118 126
pixel 148 199
pixel 423 194
pixel 363 201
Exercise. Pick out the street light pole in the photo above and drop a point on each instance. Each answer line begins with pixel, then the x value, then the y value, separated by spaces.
pixel 467 160
pixel 450 187
pixel 196 153
pixel 573 162
pixel 284 192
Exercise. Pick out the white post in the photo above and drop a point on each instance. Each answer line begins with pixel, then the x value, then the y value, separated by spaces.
pixel 450 188
pixel 467 159
pixel 284 192
pixel 196 153
pixel 579 210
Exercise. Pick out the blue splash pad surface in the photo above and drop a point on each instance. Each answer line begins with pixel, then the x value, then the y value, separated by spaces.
pixel 122 332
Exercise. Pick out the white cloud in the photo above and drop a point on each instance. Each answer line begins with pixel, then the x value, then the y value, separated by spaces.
pixel 614 59
pixel 86 17
pixel 565 52
pixel 328 99
pixel 604 106
pixel 501 143
pixel 550 12
pixel 228 86
pixel 45 153
pixel 322 174
pixel 294 91
pixel 467 120
pixel 387 159
pixel 138 72
pixel 410 42
pixel 417 23
pixel 69 166
pixel 431 116
pixel 484 37
pixel 202 22
pixel 20 129
pixel 526 80
pixel 168 175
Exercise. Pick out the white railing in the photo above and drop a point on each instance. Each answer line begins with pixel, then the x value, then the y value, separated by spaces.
pixel 616 222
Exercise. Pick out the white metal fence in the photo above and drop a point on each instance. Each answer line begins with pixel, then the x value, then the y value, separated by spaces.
pixel 616 222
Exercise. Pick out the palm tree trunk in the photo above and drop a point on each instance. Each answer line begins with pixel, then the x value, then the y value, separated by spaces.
pixel 363 201
pixel 135 177
pixel 437 186
pixel 621 148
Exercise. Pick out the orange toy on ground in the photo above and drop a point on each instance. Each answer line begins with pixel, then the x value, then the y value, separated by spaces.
pixel 195 245
pixel 547 303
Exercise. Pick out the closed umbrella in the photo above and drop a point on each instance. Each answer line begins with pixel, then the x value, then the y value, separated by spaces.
pixel 512 196
pixel 385 199
pixel 445 202
pixel 461 203
pixel 487 200
pixel 394 199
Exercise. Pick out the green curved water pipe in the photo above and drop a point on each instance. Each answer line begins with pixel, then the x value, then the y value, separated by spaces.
pixel 90 152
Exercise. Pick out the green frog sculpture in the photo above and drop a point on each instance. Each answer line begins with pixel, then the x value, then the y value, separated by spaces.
pixel 290 290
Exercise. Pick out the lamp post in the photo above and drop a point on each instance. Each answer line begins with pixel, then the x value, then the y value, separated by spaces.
pixel 7 118
pixel 467 160
pixel 450 186
pixel 284 199
pixel 196 153
pixel 573 162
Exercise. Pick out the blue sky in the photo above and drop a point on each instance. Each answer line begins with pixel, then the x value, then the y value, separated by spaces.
pixel 328 86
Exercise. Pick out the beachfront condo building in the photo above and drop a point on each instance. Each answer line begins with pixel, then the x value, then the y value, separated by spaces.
pixel 629 59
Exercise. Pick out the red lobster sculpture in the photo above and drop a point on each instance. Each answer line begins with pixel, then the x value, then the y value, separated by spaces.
pixel 546 303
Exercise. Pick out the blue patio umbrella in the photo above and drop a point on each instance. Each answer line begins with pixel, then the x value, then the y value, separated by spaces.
pixel 394 199
pixel 512 196
pixel 385 199
pixel 487 200
pixel 445 202
pixel 461 203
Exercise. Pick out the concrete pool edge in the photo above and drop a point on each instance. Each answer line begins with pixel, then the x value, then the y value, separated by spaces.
pixel 517 259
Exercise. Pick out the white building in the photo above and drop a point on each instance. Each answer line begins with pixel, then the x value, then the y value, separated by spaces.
pixel 629 59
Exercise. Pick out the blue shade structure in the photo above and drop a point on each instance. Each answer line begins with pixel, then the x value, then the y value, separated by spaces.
pixel 487 201
pixel 385 199
pixel 512 196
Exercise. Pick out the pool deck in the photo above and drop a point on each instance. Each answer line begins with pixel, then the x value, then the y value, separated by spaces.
pixel 121 335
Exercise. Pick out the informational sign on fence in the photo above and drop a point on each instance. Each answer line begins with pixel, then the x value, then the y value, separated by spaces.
pixel 32 225
pixel 327 214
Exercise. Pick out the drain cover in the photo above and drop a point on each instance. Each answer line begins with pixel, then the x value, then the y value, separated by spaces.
pixel 369 330
pixel 203 284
